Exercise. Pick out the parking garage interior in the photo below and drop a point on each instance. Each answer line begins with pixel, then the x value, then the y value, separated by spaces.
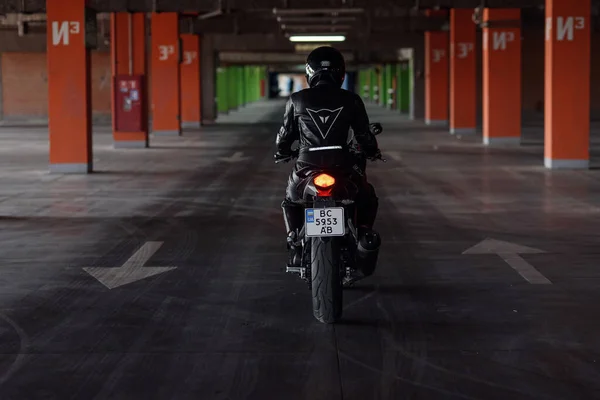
pixel 142 242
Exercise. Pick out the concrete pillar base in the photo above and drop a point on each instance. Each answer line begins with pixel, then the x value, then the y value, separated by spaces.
pixel 436 122
pixel 166 133
pixel 64 168
pixel 130 144
pixel 566 164
pixel 463 131
pixel 190 124
pixel 491 141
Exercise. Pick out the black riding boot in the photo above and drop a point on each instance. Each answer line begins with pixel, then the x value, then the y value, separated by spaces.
pixel 293 218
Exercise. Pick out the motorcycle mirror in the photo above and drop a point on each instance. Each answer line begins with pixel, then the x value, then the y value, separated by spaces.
pixel 376 128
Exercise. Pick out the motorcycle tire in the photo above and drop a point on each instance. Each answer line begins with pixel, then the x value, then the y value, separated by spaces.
pixel 326 280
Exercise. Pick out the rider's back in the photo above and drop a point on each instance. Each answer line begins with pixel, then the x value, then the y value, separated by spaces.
pixel 324 115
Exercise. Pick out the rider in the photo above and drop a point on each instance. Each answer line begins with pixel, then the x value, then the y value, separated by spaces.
pixel 320 118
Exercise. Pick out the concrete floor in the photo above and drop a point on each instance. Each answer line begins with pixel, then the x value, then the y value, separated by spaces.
pixel 228 323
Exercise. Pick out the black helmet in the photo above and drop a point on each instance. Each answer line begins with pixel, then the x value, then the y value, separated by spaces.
pixel 325 63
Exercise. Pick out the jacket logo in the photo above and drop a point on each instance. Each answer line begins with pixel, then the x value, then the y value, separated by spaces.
pixel 323 119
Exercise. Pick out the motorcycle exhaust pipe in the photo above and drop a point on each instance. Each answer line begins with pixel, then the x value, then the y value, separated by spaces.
pixel 367 253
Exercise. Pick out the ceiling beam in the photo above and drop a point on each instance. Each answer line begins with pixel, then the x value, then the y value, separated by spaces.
pixel 277 43
pixel 230 57
pixel 315 20
pixel 244 24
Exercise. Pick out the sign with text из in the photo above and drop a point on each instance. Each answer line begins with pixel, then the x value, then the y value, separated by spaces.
pixel 500 39
pixel 565 27
pixel 62 31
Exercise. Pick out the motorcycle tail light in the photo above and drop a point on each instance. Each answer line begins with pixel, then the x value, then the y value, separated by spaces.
pixel 324 183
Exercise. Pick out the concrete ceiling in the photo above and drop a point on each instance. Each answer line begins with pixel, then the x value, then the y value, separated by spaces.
pixel 36 6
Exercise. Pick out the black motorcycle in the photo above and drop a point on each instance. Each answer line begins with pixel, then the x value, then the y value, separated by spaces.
pixel 335 253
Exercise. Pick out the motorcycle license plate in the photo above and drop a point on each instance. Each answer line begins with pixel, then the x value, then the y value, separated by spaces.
pixel 324 222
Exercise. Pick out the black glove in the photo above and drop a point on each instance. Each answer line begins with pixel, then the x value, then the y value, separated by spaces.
pixel 281 156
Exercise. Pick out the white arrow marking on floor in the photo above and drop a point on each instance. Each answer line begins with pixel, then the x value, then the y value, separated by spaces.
pixel 236 157
pixel 510 253
pixel 133 270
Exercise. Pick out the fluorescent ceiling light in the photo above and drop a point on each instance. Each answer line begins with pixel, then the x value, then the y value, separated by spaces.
pixel 319 38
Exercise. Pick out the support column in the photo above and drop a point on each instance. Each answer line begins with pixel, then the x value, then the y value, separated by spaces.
pixel 411 87
pixel 1 92
pixel 567 86
pixel 381 84
pixel 248 84
pixel 364 84
pixel 263 82
pixel 208 77
pixel 240 85
pixel 221 90
pixel 463 72
pixel 254 74
pixel 190 82
pixel 501 76
pixel 166 57
pixel 256 83
pixel 436 75
pixel 232 87
pixel 367 87
pixel 394 90
pixel 128 56
pixel 404 89
pixel 375 85
pixel 69 87
pixel 389 87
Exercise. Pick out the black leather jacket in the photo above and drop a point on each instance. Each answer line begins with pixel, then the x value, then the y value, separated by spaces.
pixel 322 116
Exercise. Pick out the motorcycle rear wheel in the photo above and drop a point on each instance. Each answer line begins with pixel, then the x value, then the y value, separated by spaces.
pixel 326 280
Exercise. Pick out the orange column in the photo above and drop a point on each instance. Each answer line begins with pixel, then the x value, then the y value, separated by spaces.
pixel 128 47
pixel 436 75
pixel 166 55
pixel 501 76
pixel 190 81
pixel 567 77
pixel 69 91
pixel 463 73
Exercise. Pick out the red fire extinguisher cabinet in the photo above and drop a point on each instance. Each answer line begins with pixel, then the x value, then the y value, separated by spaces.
pixel 131 109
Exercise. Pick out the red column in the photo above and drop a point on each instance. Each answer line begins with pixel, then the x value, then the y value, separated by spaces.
pixel 501 77
pixel 166 102
pixel 128 46
pixel 190 81
pixel 436 75
pixel 567 76
pixel 69 87
pixel 463 73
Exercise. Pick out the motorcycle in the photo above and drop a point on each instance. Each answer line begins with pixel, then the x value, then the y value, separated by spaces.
pixel 335 253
